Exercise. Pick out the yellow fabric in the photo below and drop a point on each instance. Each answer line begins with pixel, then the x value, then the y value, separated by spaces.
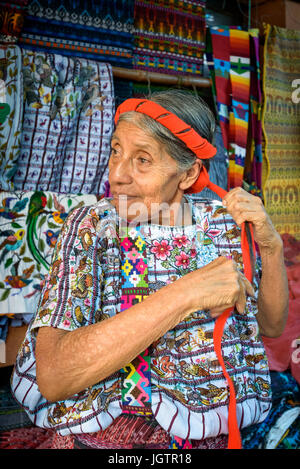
pixel 281 127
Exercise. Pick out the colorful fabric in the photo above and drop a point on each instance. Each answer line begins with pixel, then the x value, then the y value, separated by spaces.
pixel 169 36
pixel 281 125
pixel 281 428
pixel 229 58
pixel 11 112
pixel 253 171
pixel 30 223
pixel 188 391
pixel 67 124
pixel 133 432
pixel 11 19
pixel 136 376
pixel 100 30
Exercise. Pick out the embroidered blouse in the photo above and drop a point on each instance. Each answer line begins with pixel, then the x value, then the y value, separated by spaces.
pixel 98 270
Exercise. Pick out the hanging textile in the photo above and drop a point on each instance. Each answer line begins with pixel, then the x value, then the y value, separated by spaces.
pixel 229 63
pixel 253 165
pixel 67 124
pixel 281 125
pixel 11 112
pixel 169 36
pixel 99 30
pixel 29 226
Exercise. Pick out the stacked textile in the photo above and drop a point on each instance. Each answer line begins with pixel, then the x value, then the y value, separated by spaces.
pixel 99 30
pixel 282 129
pixel 169 36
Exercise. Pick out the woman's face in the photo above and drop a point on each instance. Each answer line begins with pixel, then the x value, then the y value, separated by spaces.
pixel 144 180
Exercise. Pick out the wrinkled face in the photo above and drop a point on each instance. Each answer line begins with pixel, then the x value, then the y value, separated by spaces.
pixel 144 179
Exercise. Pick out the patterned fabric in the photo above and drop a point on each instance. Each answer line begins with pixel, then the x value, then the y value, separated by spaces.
pixel 169 36
pixel 281 123
pixel 11 19
pixel 188 390
pixel 281 428
pixel 67 124
pixel 132 432
pixel 229 58
pixel 30 223
pixel 99 30
pixel 253 173
pixel 11 112
pixel 136 376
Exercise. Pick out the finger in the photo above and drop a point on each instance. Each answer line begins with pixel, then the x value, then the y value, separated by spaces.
pixel 215 312
pixel 249 288
pixel 241 300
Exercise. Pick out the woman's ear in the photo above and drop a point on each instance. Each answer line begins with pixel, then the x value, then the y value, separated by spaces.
pixel 191 175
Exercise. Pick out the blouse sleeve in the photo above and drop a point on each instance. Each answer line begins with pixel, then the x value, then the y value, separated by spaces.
pixel 70 296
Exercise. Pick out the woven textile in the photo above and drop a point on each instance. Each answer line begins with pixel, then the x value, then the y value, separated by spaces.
pixel 229 61
pixel 30 223
pixel 281 176
pixel 254 157
pixel 169 36
pixel 11 112
pixel 67 124
pixel 99 30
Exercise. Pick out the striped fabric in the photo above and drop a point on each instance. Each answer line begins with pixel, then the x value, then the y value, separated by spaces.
pixel 99 30
pixel 169 36
pixel 229 62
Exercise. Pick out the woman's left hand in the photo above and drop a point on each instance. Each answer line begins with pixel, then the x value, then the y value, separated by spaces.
pixel 243 206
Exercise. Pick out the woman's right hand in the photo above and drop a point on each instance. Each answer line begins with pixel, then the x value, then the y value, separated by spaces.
pixel 217 286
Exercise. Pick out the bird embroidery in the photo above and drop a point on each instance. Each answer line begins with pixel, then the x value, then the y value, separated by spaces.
pixel 36 207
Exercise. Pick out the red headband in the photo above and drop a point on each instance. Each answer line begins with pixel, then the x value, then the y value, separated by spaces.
pixel 199 145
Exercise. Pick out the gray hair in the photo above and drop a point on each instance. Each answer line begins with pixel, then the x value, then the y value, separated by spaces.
pixel 191 109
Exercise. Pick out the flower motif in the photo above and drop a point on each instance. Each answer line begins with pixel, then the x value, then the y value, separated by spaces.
pixel 182 260
pixel 180 240
pixel 161 250
pixel 193 252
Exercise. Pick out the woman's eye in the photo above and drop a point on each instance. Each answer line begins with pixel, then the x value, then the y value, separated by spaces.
pixel 114 151
pixel 143 160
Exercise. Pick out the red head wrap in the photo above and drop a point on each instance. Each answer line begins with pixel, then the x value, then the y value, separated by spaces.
pixel 201 147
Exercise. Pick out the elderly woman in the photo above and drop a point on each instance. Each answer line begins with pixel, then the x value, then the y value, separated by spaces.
pixel 148 331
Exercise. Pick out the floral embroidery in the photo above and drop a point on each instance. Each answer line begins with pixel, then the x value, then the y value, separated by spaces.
pixel 182 260
pixel 161 250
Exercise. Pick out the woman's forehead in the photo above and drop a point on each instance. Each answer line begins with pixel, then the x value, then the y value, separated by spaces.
pixel 137 136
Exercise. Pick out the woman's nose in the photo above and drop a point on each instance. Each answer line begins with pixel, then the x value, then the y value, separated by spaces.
pixel 120 171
